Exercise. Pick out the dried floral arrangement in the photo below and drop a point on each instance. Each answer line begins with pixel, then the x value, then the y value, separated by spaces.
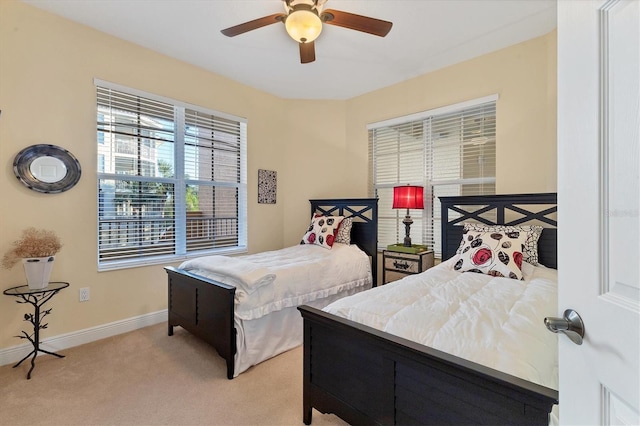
pixel 33 243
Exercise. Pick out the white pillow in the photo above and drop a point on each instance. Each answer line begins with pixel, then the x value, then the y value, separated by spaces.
pixel 530 251
pixel 493 253
pixel 322 231
pixel 527 270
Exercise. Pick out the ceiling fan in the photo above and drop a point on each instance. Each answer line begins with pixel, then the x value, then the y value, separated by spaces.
pixel 303 21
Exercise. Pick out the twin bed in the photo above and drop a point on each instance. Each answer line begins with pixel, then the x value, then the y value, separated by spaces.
pixel 445 347
pixel 245 306
pixel 441 347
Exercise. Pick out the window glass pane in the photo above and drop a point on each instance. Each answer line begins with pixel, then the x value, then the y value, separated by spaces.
pixel 446 162
pixel 388 230
pixel 212 217
pixel 479 159
pixel 137 158
pixel 212 151
pixel 135 218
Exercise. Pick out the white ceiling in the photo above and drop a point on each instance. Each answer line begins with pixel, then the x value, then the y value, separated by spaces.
pixel 426 35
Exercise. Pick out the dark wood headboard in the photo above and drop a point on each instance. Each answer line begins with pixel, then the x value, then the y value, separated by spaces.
pixel 509 209
pixel 365 223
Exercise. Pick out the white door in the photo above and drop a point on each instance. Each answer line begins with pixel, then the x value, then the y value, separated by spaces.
pixel 598 208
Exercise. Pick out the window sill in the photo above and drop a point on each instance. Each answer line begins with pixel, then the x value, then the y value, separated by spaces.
pixel 166 260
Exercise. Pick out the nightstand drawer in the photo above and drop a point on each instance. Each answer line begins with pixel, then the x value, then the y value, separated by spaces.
pixel 401 264
pixel 398 265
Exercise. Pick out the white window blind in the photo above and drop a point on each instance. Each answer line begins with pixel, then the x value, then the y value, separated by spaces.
pixel 450 151
pixel 171 179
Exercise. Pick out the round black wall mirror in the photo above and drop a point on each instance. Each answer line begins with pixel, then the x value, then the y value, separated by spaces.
pixel 47 168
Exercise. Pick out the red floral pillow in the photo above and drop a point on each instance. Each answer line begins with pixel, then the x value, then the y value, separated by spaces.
pixel 492 253
pixel 533 232
pixel 322 231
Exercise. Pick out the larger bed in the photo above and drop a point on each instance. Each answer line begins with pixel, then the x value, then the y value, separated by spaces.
pixel 376 358
pixel 245 306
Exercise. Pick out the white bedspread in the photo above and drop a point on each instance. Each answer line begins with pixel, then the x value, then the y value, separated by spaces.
pixel 249 276
pixel 496 322
pixel 301 274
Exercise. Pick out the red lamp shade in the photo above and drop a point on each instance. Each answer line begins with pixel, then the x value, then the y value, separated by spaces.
pixel 408 197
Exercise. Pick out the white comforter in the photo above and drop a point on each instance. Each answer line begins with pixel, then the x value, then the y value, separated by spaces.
pixel 274 280
pixel 496 322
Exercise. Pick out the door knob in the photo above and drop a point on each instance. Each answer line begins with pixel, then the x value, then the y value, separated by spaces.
pixel 571 325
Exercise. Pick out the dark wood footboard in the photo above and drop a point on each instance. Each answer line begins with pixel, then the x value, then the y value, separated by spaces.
pixel 366 376
pixel 206 309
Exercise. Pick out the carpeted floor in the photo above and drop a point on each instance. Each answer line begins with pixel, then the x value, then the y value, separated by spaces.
pixel 148 378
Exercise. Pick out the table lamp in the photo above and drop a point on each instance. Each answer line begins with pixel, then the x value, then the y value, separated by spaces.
pixel 408 197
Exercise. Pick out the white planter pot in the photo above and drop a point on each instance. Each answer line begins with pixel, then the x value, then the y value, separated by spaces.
pixel 38 271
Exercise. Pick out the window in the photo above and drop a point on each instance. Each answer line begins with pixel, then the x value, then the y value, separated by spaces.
pixel 171 179
pixel 449 151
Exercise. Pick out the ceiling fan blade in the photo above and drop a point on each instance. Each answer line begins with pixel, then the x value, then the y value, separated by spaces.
pixel 307 52
pixel 253 25
pixel 357 22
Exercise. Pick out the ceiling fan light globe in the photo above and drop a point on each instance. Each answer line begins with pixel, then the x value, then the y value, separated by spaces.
pixel 304 26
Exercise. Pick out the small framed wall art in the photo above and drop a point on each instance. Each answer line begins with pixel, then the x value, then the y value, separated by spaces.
pixel 267 186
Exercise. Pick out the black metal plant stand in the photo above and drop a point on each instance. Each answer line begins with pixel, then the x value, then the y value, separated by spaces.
pixel 37 298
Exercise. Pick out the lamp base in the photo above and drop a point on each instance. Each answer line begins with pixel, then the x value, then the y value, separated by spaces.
pixel 407 228
pixel 401 248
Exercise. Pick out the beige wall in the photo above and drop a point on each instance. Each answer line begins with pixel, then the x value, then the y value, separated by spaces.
pixel 524 77
pixel 318 148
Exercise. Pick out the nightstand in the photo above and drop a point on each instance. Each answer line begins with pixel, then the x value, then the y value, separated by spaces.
pixel 398 265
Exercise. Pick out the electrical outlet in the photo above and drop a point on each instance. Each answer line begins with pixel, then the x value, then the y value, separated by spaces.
pixel 84 294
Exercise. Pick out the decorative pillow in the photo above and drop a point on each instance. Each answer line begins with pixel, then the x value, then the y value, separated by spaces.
pixel 344 231
pixel 530 251
pixel 322 231
pixel 492 253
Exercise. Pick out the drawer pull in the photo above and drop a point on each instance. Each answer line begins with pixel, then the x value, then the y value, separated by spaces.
pixel 401 265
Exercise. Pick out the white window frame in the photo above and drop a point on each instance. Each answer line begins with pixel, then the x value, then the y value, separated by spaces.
pixel 179 181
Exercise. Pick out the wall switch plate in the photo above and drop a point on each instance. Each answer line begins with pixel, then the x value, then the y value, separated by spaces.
pixel 84 294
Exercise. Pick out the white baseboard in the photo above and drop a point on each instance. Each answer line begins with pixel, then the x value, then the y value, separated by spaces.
pixel 80 337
